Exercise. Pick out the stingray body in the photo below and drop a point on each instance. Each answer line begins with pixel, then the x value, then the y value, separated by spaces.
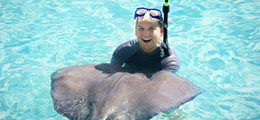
pixel 107 92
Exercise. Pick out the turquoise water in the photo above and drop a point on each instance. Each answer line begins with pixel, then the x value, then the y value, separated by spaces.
pixel 218 43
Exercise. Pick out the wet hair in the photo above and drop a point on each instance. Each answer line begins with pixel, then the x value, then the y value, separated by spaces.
pixel 160 22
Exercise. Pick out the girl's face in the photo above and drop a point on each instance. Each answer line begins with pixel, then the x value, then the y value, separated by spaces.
pixel 148 34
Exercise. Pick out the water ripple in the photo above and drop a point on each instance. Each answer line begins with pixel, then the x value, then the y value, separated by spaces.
pixel 217 42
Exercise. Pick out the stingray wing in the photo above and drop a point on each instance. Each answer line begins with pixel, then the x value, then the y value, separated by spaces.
pixel 107 91
pixel 167 90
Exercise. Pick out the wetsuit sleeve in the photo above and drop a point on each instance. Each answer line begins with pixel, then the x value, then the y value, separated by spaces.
pixel 171 63
pixel 123 52
pixel 118 58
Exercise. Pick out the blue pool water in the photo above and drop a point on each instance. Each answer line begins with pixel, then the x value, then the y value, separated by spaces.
pixel 218 43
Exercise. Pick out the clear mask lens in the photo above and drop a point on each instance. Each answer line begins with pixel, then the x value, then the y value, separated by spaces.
pixel 155 13
pixel 141 11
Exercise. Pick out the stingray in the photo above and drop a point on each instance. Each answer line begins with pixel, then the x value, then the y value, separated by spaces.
pixel 108 92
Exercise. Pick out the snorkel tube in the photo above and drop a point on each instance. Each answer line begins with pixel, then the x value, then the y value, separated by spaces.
pixel 166 9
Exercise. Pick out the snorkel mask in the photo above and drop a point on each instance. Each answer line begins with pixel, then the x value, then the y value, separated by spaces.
pixel 154 13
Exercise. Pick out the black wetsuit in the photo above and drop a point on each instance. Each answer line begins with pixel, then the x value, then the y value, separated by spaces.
pixel 130 54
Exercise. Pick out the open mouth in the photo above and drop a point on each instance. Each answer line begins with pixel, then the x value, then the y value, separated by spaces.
pixel 146 41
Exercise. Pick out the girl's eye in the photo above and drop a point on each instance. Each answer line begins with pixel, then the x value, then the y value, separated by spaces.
pixel 151 28
pixel 140 29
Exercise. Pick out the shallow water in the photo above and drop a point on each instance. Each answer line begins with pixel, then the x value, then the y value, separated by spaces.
pixel 218 43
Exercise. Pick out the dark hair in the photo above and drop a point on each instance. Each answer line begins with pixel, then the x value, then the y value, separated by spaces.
pixel 160 22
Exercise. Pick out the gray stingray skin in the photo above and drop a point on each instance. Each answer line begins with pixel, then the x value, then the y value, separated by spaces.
pixel 106 92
